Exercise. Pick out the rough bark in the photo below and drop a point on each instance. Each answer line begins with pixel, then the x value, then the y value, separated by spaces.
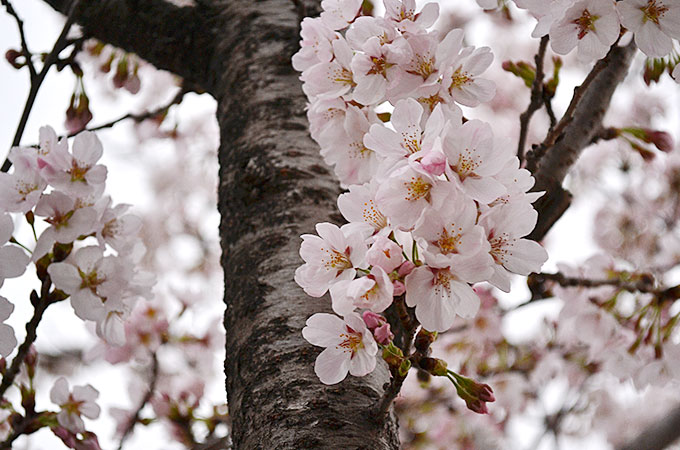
pixel 273 188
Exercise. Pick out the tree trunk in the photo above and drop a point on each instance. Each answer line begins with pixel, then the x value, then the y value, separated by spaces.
pixel 273 188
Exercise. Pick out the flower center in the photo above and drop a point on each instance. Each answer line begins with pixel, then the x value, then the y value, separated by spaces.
pixel 459 79
pixel 448 243
pixel 351 341
pixel 585 23
pixel 416 189
pixel 654 11
pixel 372 216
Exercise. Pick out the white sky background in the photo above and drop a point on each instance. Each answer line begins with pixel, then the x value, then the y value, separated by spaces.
pixel 126 185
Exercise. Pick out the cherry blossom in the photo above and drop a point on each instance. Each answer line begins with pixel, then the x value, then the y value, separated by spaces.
pixel 92 280
pixel 359 206
pixel 13 260
pixel 460 68
pixel 654 22
pixel 374 292
pixel 350 346
pixel 337 14
pixel 74 404
pixel 7 338
pixel 439 295
pixel 329 257
pixel 505 225
pixel 407 193
pixel 21 189
pixel 592 25
pixel 76 172
pixel 473 160
pixel 315 46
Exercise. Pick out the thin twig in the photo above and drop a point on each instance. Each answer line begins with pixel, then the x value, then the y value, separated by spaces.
pixel 45 300
pixel 536 98
pixel 24 44
pixel 644 284
pixel 61 43
pixel 145 400
pixel 140 117
pixel 575 100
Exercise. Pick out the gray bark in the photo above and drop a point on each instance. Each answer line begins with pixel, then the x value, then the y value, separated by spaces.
pixel 273 188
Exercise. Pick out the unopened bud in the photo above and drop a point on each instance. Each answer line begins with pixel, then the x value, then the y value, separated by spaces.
pixel 399 288
pixel 424 339
pixel 393 355
pixel 406 268
pixel 372 320
pixel 12 57
pixel 383 335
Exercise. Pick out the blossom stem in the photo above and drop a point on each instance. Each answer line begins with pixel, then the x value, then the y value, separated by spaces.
pixel 536 98
pixel 37 80
pixel 152 387
pixel 31 327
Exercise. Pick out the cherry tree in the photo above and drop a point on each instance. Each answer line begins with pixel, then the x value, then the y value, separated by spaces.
pixel 381 182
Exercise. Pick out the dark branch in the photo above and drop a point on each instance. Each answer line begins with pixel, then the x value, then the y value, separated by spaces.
pixel 551 161
pixel 140 117
pixel 536 98
pixel 61 43
pixel 24 44
pixel 178 39
pixel 659 435
pixel 152 388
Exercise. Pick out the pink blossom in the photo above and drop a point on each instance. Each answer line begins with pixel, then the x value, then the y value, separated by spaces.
pixel 350 346
pixel 402 13
pixel 79 402
pixel 505 225
pixel 338 14
pixel 7 338
pixel 460 69
pixel 13 260
pixel 359 206
pixel 592 25
pixel 374 292
pixel 315 46
pixel 407 193
pixel 474 160
pixel 385 253
pixel 654 22
pixel 438 296
pixel 329 258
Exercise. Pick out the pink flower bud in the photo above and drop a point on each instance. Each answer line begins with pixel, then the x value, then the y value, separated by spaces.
pixel 383 335
pixel 406 268
pixel 399 287
pixel 662 140
pixel 373 320
pixel 434 162
pixel 385 254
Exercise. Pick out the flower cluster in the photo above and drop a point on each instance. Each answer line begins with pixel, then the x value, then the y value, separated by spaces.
pixel 592 26
pixel 66 189
pixel 434 205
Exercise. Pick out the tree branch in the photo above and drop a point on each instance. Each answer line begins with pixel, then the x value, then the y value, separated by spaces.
pixel 24 45
pixel 551 161
pixel 536 98
pixel 36 81
pixel 178 39
pixel 659 435
pixel 140 117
